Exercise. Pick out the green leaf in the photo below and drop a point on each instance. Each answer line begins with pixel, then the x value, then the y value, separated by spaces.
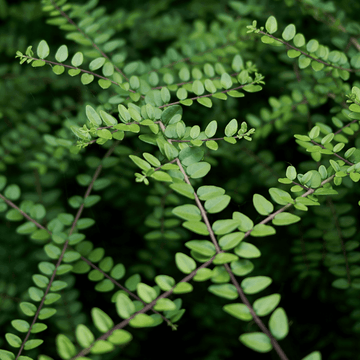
pixel 134 82
pixel 255 284
pixel 134 114
pixel 289 32
pixel 164 305
pixel 124 113
pixel 86 78
pixel 58 70
pixel 195 131
pixel 278 324
pixel 12 192
pixel 191 155
pixel 184 189
pixel 231 128
pixel 185 263
pixel 80 133
pixel 26 228
pixel 355 61
pixel 43 49
pixel 85 223
pixel 203 247
pixel 315 355
pixel 217 204
pixel 141 320
pixel 224 258
pixel 131 67
pixel 104 133
pixel 101 347
pixel 266 304
pixel 229 241
pixel 299 40
pixel 62 53
pixel 262 205
pixel 65 348
pixel 312 45
pixel 235 93
pixel 124 306
pixel 27 308
pixel 184 74
pixel 119 337
pixel 77 59
pixel 108 119
pixel 198 87
pixel 196 227
pixel 146 292
pixel 225 81
pixel 153 78
pixel 74 72
pixel 203 274
pixel 285 218
pixel 78 38
pixel 165 282
pixel 205 101
pixel 101 320
pixel 208 192
pixel 14 215
pixel 170 151
pixel 247 250
pixel 293 53
pixel 239 311
pixel 256 341
pixel 227 291
pixel 209 86
pixel 142 164
pixel 198 170
pixel 340 284
pixel 317 66
pixel 314 133
pixel 13 340
pixel 84 336
pixel 304 61
pixel 165 95
pixel 271 25
pixel 38 63
pixel 252 88
pixel 161 176
pixel 118 271
pixel 20 325
pixel 302 137
pixel 262 230
pixel 237 63
pixel 32 344
pixel 187 212
pixel 245 222
pixel 212 145
pixel 182 288
pixel 108 69
pixel 291 172
pixel 280 196
pixel 221 227
pixel 182 94
pixel 104 84
pixel 334 165
pixel 211 129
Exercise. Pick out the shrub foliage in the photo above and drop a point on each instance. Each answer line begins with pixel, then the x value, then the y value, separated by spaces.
pixel 181 164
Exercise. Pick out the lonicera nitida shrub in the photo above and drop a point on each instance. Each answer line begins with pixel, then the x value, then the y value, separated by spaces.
pixel 187 164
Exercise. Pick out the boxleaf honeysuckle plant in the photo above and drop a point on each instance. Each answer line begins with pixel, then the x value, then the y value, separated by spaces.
pixel 148 125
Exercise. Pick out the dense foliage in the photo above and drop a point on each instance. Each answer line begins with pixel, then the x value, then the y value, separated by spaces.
pixel 183 163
